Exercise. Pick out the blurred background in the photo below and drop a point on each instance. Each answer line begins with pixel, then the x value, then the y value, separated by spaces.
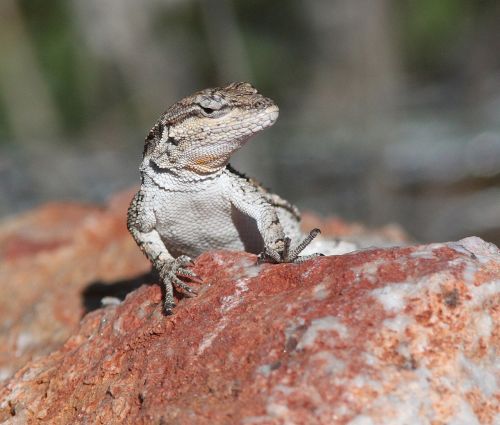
pixel 390 109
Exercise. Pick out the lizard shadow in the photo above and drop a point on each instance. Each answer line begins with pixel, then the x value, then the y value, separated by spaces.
pixel 93 293
pixel 96 291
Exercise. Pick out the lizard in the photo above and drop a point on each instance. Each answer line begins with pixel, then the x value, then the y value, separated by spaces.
pixel 192 200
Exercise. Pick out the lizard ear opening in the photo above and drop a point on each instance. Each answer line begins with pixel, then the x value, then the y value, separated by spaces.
pixel 173 141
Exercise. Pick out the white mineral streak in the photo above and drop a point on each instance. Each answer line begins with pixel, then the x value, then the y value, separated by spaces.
pixel 416 384
pixel 231 301
pixel 318 326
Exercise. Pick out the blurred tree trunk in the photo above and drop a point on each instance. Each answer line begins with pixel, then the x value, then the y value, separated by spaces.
pixel 356 76
pixel 355 81
pixel 225 41
pixel 120 32
pixel 27 100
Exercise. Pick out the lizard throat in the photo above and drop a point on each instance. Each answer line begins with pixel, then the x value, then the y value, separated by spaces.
pixel 208 164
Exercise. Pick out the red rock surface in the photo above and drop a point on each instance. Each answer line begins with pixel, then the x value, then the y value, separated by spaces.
pixel 382 336
pixel 48 257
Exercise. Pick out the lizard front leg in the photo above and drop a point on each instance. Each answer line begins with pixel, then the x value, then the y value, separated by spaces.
pixel 250 201
pixel 141 226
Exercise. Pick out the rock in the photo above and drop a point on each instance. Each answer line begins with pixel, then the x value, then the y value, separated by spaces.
pixel 58 262
pixel 381 336
pixel 55 263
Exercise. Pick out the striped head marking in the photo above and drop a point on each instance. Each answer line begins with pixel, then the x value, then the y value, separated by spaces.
pixel 202 131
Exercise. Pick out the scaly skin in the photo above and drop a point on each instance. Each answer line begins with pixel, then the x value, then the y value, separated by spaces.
pixel 191 200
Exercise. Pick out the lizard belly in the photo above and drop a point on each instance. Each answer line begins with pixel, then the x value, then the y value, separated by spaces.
pixel 192 223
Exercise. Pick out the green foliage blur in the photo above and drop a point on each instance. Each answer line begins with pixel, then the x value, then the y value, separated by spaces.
pixel 430 36
pixel 389 109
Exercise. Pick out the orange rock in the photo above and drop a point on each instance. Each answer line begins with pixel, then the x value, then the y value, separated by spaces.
pixel 382 336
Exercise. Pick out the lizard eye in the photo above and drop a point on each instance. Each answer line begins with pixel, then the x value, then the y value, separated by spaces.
pixel 214 110
pixel 208 111
pixel 212 107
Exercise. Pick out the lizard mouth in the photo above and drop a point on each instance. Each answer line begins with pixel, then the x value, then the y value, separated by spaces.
pixel 272 113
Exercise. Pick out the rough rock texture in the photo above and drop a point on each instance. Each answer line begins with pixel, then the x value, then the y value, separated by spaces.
pixel 54 263
pixel 58 261
pixel 384 336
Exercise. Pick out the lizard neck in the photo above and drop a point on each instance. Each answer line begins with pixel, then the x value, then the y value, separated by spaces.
pixel 178 180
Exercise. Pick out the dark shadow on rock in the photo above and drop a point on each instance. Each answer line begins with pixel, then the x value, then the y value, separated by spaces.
pixel 96 291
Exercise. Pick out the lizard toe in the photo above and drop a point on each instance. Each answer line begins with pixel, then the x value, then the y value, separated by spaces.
pixel 168 308
pixel 184 260
pixel 187 272
pixel 270 256
pixel 303 258
pixel 184 286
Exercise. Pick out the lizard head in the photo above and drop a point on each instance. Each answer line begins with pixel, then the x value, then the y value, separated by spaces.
pixel 201 132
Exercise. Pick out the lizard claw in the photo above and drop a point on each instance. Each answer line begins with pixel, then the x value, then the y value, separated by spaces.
pixel 183 285
pixel 168 308
pixel 169 273
pixel 289 255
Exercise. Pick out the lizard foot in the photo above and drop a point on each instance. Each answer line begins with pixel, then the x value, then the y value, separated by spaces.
pixel 290 256
pixel 169 273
